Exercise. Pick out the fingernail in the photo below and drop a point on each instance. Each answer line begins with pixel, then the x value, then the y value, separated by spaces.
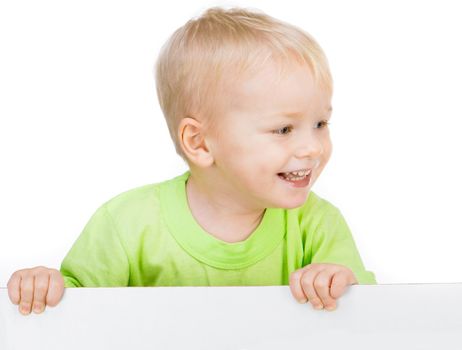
pixel 24 309
pixel 330 307
pixel 318 306
pixel 37 308
pixel 302 301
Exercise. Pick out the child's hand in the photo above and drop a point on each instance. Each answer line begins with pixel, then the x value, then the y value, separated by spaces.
pixel 312 282
pixel 37 287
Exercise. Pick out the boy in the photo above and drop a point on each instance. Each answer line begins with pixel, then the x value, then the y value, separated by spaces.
pixel 247 100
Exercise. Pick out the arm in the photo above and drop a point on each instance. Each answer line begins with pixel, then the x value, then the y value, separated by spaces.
pixel 331 263
pixel 97 258
pixel 334 243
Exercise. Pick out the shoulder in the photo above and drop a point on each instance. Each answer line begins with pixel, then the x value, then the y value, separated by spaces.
pixel 316 216
pixel 143 200
pixel 317 203
pixel 133 199
pixel 315 210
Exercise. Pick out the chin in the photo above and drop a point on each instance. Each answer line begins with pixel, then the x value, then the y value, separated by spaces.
pixel 294 202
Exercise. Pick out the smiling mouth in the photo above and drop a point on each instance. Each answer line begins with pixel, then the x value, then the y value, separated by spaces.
pixel 295 175
pixel 296 181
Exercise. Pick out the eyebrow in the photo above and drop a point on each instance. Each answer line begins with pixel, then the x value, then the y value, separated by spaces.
pixel 297 114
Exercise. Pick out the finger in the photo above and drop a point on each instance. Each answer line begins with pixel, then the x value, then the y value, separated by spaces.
pixel 306 282
pixel 321 284
pixel 40 291
pixel 339 284
pixel 296 287
pixel 56 288
pixel 353 279
pixel 14 288
pixel 27 293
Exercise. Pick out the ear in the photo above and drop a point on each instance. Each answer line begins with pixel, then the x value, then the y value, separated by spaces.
pixel 191 137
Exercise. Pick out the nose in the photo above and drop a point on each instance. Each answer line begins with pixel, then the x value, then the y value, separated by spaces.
pixel 309 146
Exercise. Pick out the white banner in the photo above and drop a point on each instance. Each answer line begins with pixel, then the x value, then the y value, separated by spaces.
pixel 397 316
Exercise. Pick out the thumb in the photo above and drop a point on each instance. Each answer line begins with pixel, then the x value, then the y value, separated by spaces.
pixel 338 285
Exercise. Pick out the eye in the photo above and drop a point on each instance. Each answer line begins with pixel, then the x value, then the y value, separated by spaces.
pixel 324 123
pixel 283 131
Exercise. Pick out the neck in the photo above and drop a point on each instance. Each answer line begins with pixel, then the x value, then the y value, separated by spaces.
pixel 219 213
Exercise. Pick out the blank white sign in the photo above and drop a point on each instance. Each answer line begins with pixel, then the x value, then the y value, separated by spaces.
pixel 405 316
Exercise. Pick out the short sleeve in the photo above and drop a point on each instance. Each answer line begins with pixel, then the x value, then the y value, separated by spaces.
pixel 334 243
pixel 97 258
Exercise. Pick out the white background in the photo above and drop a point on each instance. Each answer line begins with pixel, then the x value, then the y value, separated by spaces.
pixel 80 122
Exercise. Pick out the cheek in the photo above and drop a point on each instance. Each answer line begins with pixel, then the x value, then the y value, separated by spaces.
pixel 326 147
pixel 228 147
pixel 256 161
pixel 329 148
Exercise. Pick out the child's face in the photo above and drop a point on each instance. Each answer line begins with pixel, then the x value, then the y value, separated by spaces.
pixel 249 153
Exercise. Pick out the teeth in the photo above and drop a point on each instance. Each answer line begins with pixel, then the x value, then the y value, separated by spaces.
pixel 296 175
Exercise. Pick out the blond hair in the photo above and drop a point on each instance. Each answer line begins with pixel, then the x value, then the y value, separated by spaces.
pixel 217 48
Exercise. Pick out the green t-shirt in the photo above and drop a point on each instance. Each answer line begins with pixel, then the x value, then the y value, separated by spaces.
pixel 147 236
